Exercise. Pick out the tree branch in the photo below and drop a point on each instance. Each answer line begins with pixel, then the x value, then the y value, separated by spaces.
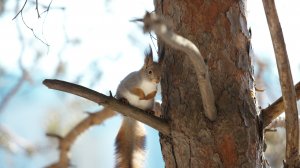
pixel 286 82
pixel 280 122
pixel 153 22
pixel 66 142
pixel 275 109
pixel 110 102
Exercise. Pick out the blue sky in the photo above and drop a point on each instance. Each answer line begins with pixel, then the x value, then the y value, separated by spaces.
pixel 105 36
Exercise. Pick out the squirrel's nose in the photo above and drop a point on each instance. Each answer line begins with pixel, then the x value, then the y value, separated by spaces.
pixel 155 80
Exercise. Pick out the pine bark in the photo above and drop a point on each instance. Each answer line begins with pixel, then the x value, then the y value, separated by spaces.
pixel 219 30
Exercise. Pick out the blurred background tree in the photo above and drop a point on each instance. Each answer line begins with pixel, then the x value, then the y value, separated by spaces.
pixel 92 43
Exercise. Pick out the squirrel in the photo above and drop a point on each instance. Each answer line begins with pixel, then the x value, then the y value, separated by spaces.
pixel 138 89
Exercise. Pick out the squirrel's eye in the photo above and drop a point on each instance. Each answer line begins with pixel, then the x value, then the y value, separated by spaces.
pixel 150 72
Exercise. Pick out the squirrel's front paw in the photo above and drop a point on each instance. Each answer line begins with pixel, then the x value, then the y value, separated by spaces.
pixel 151 112
pixel 124 100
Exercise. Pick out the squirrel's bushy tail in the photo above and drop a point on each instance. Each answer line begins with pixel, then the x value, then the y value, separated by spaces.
pixel 130 144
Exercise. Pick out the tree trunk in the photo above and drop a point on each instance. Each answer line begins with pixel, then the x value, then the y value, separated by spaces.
pixel 219 29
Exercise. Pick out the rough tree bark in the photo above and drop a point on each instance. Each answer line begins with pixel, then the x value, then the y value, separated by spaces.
pixel 219 29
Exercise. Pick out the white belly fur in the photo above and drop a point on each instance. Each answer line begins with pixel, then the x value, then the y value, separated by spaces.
pixel 148 87
pixel 134 100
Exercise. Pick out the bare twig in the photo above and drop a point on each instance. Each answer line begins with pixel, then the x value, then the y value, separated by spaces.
pixel 66 142
pixel 275 109
pixel 54 136
pixel 107 101
pixel 31 29
pixel 152 37
pixel 153 22
pixel 21 10
pixel 46 8
pixel 286 82
pixel 37 8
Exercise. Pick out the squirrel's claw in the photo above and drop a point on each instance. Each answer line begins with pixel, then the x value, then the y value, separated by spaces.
pixel 124 100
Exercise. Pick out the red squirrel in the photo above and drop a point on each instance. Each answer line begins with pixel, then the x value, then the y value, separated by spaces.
pixel 138 89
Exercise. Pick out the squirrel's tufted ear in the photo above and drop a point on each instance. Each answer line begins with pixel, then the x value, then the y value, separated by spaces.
pixel 149 56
